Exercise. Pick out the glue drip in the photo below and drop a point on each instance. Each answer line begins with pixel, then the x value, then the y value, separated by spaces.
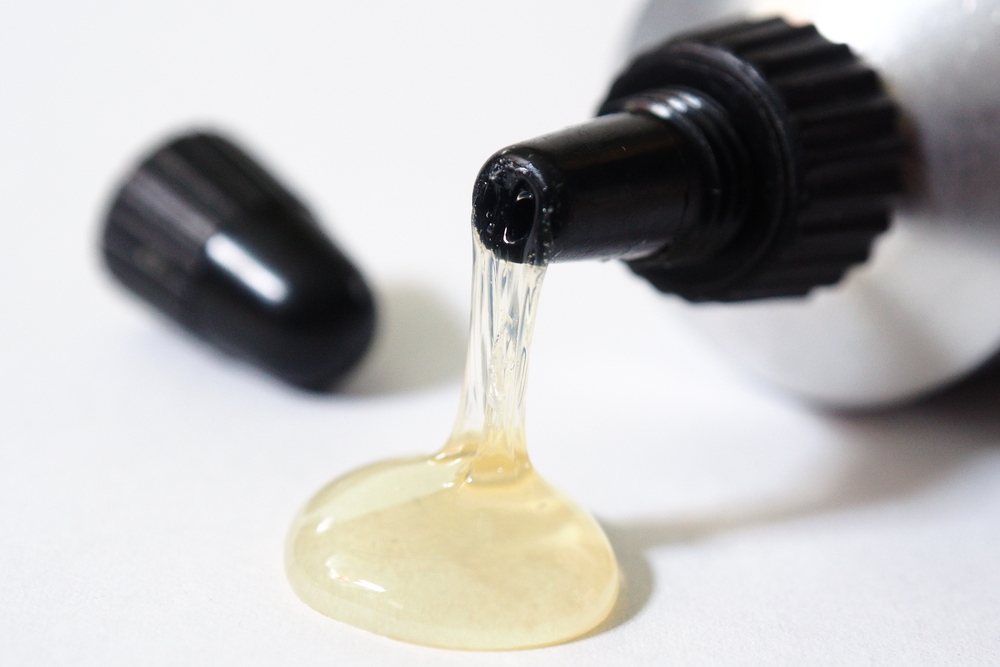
pixel 469 548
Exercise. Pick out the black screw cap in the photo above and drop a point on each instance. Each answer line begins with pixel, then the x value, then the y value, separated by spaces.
pixel 826 144
pixel 208 237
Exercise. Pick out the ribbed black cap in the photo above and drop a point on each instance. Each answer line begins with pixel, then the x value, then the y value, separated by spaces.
pixel 207 236
pixel 828 135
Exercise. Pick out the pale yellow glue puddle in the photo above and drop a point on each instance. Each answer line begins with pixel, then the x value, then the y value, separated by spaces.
pixel 469 548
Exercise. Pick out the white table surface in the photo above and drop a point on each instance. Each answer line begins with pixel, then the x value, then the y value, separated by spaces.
pixel 146 482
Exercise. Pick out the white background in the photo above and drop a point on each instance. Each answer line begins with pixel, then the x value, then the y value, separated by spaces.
pixel 146 482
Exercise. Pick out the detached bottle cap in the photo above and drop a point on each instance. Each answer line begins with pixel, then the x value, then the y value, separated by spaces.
pixel 207 236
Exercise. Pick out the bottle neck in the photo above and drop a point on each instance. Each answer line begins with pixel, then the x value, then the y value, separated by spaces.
pixel 660 174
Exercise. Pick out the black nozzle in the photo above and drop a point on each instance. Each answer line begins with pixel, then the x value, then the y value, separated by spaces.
pixel 661 174
pixel 207 236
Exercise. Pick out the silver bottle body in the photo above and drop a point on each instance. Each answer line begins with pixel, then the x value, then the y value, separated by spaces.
pixel 925 310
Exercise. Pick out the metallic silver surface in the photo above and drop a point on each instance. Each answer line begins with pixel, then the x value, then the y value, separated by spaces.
pixel 925 310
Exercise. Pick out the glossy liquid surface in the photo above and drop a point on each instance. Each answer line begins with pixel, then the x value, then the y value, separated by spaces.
pixel 469 548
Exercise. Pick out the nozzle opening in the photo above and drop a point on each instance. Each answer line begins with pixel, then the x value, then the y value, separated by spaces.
pixel 520 213
pixel 508 209
pixel 510 212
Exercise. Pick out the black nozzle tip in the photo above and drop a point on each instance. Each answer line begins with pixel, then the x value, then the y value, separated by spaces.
pixel 511 211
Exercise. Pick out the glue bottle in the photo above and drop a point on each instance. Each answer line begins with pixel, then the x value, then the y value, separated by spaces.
pixel 819 182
